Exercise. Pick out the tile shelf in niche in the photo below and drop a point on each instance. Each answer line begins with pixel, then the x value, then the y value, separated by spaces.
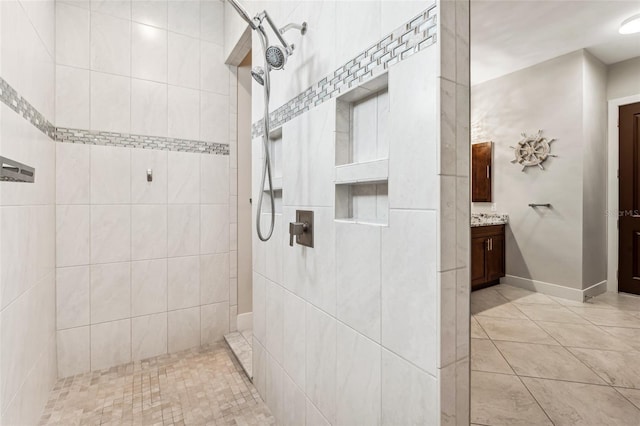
pixel 368 171
pixel 361 123
pixel 363 203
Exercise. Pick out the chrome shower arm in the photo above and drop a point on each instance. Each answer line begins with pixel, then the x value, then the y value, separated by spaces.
pixel 300 27
pixel 265 15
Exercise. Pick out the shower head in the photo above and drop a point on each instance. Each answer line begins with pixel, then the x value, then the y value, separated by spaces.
pixel 276 57
pixel 258 75
pixel 243 13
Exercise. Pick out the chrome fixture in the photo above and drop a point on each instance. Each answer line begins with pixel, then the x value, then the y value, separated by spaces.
pixel 258 75
pixel 12 171
pixel 534 205
pixel 275 57
pixel 302 228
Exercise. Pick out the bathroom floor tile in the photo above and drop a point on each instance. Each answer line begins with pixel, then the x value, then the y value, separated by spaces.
pixel 580 404
pixel 616 368
pixel 547 362
pixel 632 395
pixel 490 303
pixel 500 399
pixel 555 313
pixel 625 302
pixel 630 336
pixel 594 303
pixel 524 297
pixel 486 357
pixel 515 330
pixel 198 387
pixel 607 317
pixel 583 336
pixel 568 354
pixel 476 331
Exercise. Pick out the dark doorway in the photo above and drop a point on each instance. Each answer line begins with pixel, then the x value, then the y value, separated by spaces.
pixel 629 192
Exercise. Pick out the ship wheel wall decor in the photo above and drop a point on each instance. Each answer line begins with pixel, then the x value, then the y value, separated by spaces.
pixel 532 150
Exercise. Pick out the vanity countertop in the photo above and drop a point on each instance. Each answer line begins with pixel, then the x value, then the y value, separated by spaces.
pixel 488 219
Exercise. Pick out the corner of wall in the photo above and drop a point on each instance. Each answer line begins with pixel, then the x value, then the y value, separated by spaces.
pixel 594 170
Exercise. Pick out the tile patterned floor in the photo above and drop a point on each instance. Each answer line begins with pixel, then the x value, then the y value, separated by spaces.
pixel 203 386
pixel 538 360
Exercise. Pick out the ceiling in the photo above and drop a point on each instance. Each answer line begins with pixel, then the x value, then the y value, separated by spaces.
pixel 510 35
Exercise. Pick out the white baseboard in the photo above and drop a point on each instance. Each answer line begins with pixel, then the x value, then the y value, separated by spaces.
pixel 556 290
pixel 244 321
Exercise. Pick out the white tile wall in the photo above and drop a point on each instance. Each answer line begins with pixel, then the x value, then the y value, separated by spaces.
pixel 28 220
pixel 149 53
pixel 143 67
pixel 110 43
pixel 150 262
pixel 384 306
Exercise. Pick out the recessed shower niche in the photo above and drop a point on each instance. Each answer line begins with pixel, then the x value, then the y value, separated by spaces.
pixel 275 152
pixel 362 153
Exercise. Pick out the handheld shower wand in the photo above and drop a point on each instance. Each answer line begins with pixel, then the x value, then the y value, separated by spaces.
pixel 275 57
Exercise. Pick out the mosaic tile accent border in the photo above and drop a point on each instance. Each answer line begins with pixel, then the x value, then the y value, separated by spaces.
pixel 127 140
pixel 10 97
pixel 414 36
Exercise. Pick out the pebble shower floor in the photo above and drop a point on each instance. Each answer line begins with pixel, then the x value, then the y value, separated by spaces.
pixel 203 386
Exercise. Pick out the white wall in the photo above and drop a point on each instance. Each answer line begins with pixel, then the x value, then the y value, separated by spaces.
pixel 27 216
pixel 623 79
pixel 594 190
pixel 371 325
pixel 564 97
pixel 143 268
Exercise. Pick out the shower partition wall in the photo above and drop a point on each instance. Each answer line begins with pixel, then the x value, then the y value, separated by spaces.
pixel 370 326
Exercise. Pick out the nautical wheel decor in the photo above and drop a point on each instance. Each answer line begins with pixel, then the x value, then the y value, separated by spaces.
pixel 532 150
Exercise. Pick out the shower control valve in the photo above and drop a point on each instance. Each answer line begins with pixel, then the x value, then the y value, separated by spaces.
pixel 302 228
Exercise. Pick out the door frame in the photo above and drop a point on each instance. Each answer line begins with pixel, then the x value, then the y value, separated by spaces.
pixel 612 189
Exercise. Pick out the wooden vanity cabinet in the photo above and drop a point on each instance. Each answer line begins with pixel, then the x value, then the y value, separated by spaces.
pixel 487 255
pixel 481 172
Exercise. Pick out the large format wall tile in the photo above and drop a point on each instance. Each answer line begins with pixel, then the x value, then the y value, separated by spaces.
pixel 72 35
pixel 148 287
pixel 110 44
pixel 183 282
pixel 148 53
pixel 409 287
pixel 110 233
pixel 73 97
pixel 184 329
pixel 321 337
pixel 183 230
pixel 148 108
pixel 73 297
pixel 148 336
pixel 148 231
pixel 110 344
pixel 73 231
pixel 358 277
pixel 110 175
pixel 358 375
pixel 73 351
pixel 110 292
pixel 110 102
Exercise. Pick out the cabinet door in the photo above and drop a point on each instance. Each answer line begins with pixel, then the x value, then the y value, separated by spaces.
pixel 478 260
pixel 495 258
pixel 481 172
